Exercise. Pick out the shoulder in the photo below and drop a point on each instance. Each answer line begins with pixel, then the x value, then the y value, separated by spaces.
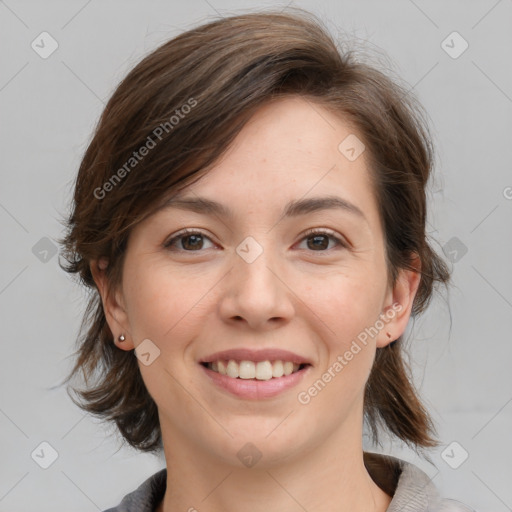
pixel 146 497
pixel 412 490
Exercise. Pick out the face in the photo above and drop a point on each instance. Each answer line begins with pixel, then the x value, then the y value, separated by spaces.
pixel 262 283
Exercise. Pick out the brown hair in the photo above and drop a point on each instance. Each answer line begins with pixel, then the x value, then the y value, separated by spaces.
pixel 196 92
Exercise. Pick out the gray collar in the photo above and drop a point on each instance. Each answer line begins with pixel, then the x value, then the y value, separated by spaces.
pixel 411 489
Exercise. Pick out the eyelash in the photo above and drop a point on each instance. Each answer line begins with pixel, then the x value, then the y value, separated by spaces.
pixel 315 231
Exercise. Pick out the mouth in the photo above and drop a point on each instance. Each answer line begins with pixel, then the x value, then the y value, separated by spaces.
pixel 255 374
pixel 254 370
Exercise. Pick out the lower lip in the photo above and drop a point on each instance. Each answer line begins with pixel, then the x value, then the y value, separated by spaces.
pixel 256 389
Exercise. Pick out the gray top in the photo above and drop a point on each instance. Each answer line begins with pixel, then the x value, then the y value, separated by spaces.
pixel 410 488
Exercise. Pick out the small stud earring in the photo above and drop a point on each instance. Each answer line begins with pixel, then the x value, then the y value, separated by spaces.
pixel 388 335
pixel 121 338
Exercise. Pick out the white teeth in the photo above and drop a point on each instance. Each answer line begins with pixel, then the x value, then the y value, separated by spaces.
pixel 288 368
pixel 232 369
pixel 262 370
pixel 247 370
pixel 221 367
pixel 277 369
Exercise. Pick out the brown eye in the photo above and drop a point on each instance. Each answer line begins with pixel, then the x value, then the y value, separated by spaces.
pixel 188 241
pixel 192 242
pixel 318 240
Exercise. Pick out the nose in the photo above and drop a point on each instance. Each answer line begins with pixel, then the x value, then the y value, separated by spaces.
pixel 256 291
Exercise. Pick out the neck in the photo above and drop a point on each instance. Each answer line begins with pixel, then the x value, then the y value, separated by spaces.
pixel 328 477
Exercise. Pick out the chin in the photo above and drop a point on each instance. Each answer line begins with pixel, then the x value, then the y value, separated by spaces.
pixel 255 445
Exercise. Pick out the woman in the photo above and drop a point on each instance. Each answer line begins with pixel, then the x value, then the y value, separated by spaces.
pixel 250 215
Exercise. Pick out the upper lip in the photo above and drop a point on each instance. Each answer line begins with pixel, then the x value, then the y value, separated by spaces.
pixel 247 354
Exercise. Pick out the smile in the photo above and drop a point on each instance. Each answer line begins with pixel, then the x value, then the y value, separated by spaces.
pixel 255 388
pixel 255 374
pixel 259 370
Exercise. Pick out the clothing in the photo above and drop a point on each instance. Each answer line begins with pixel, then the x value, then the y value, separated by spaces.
pixel 410 488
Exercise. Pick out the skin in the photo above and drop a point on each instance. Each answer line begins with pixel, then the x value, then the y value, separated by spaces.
pixel 295 296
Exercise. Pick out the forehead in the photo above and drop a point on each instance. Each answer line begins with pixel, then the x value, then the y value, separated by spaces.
pixel 292 148
pixel 284 164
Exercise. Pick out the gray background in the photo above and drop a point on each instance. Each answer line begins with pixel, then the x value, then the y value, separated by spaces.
pixel 462 353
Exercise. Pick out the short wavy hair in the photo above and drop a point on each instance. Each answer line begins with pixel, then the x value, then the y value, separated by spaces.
pixel 223 71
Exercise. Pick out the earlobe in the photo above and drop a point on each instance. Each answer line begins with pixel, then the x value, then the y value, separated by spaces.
pixel 399 302
pixel 113 306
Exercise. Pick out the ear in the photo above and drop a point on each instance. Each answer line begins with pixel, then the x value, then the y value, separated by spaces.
pixel 398 304
pixel 113 305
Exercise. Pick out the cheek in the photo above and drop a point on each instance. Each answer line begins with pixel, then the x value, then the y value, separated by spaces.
pixel 348 309
pixel 346 304
pixel 160 305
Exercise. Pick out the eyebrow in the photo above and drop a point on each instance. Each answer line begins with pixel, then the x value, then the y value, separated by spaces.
pixel 293 208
